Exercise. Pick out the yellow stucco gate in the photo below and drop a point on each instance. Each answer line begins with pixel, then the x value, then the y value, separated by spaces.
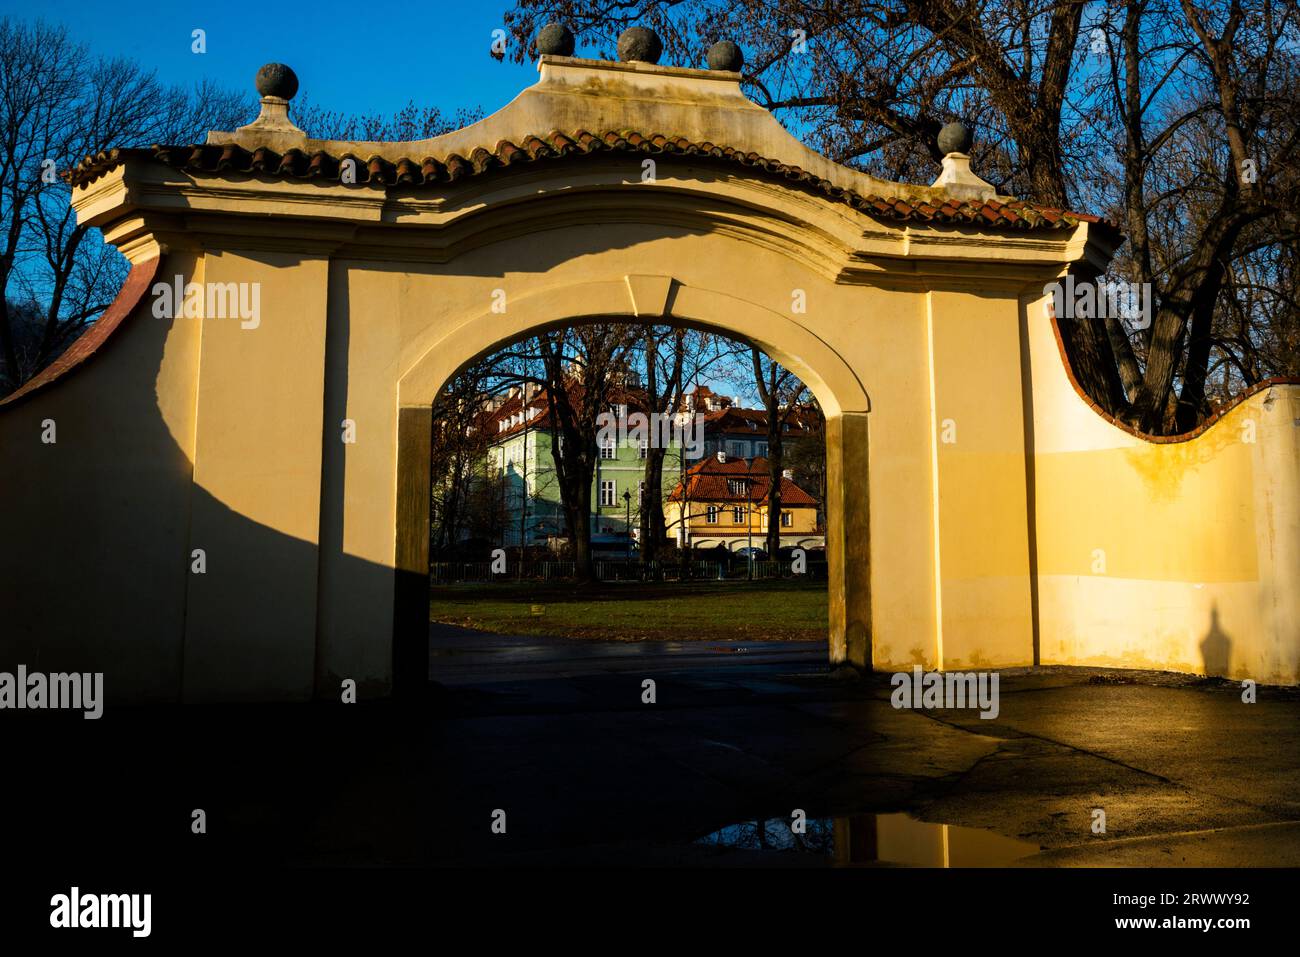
pixel 182 513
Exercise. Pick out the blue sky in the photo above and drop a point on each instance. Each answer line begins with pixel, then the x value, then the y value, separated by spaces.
pixel 352 57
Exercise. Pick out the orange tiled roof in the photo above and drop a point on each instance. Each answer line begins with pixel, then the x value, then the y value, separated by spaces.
pixel 138 282
pixel 489 419
pixel 749 420
pixel 430 171
pixel 707 482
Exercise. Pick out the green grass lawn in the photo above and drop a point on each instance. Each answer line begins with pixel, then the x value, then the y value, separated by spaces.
pixel 755 611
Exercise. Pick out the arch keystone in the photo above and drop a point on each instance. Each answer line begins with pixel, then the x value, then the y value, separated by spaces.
pixel 649 295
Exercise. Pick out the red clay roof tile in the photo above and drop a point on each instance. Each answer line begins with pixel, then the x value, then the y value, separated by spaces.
pixel 429 171
pixel 707 481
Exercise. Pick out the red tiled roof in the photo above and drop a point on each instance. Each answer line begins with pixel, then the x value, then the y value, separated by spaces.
pixel 429 171
pixel 489 419
pixel 734 419
pixel 707 482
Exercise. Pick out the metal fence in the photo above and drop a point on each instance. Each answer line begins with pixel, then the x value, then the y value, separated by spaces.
pixel 446 573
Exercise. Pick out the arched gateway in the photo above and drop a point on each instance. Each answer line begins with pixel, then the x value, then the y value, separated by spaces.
pixel 199 530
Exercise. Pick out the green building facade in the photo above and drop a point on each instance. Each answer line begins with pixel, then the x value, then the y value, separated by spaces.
pixel 531 489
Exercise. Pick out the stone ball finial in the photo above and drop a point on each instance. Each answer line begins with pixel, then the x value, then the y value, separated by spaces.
pixel 955 138
pixel 725 55
pixel 276 79
pixel 555 39
pixel 640 43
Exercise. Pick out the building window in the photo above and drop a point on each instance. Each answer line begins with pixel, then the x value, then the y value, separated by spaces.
pixel 760 449
pixel 737 449
pixel 787 519
pixel 736 486
pixel 607 493
pixel 711 515
pixel 738 513
pixel 607 449
pixel 645 447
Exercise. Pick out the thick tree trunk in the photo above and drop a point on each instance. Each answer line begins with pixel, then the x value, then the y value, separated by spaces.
pixel 1194 286
pixel 578 511
pixel 1087 344
pixel 1191 399
pixel 652 506
pixel 775 456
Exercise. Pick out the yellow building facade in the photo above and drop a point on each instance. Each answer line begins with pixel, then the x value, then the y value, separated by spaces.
pixel 227 497
pixel 723 502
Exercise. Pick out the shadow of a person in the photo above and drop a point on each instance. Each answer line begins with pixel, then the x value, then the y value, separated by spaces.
pixel 1216 647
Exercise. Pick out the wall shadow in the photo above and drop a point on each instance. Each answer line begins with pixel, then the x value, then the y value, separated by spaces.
pixel 1216 646
pixel 98 548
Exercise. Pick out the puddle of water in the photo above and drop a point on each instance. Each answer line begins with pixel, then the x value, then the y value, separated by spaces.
pixel 876 839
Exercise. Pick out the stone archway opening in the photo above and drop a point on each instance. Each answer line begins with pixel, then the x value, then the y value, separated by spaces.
pixel 510 549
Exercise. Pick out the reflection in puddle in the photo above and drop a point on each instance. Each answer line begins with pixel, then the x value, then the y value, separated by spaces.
pixel 877 838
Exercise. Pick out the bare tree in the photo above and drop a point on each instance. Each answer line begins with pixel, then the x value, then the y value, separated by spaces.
pixel 411 122
pixel 59 103
pixel 664 350
pixel 806 459
pixel 585 367
pixel 580 370
pixel 460 440
pixel 782 394
pixel 673 357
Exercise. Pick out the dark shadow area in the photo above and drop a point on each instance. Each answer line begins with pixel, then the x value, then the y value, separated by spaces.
pixel 381 783
pixel 1216 647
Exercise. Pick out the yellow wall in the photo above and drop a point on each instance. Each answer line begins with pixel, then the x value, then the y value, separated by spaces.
pixel 1182 556
pixel 978 444
pixel 251 618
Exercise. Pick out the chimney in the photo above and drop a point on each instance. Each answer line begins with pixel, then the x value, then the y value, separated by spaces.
pixel 722 458
pixel 787 474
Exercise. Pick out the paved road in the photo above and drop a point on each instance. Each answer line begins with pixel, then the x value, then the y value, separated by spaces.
pixel 1184 771
pixel 557 736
